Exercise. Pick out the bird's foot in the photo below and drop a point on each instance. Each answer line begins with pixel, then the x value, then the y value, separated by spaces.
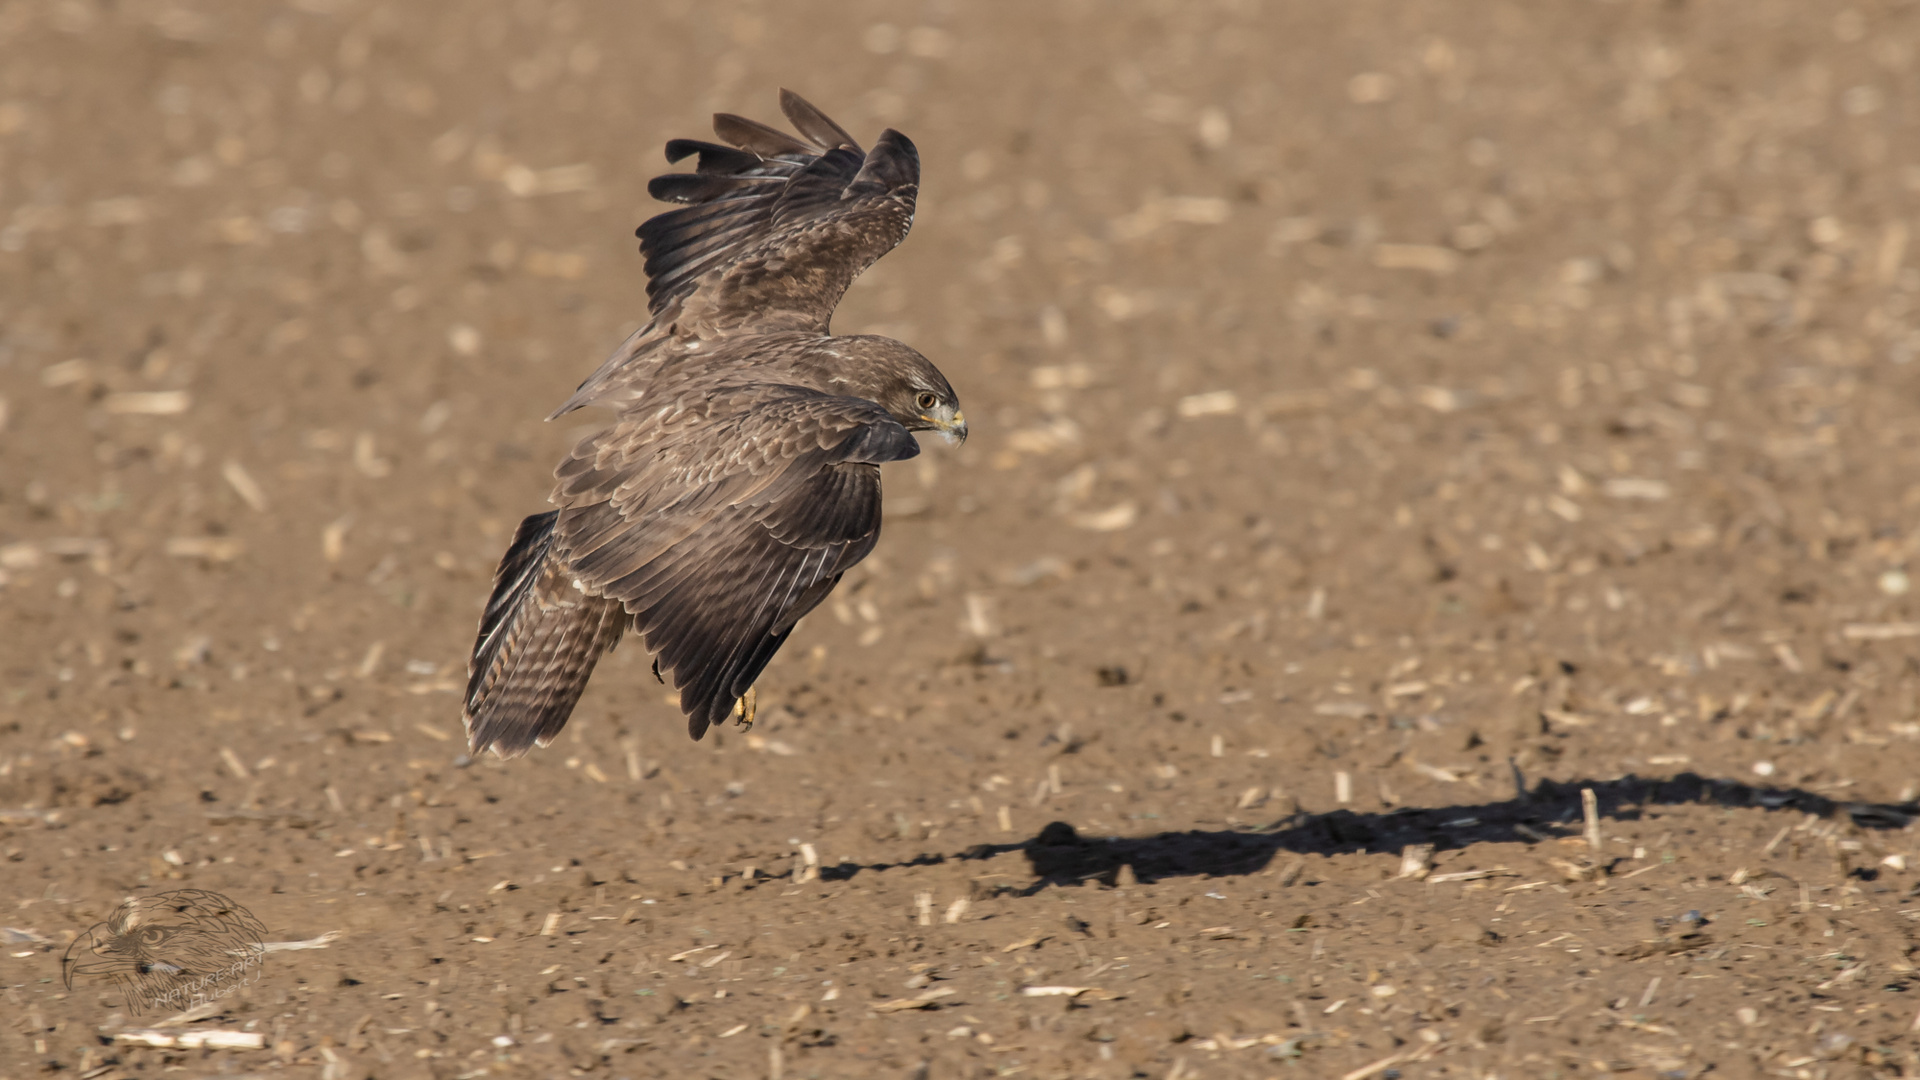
pixel 743 710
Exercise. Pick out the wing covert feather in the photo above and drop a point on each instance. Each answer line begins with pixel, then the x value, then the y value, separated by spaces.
pixel 719 525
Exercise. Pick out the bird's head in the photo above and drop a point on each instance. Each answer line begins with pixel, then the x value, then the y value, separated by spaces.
pixel 904 383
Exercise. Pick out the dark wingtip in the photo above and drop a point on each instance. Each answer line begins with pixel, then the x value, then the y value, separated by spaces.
pixel 897 138
pixel 704 711
pixel 892 166
pixel 756 137
pixel 714 159
pixel 790 102
pixel 809 121
pixel 696 187
pixel 679 150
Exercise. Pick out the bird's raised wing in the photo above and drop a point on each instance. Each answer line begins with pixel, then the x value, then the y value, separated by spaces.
pixel 773 230
pixel 775 227
pixel 720 525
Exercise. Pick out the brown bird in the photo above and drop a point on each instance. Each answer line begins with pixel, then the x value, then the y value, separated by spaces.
pixel 741 476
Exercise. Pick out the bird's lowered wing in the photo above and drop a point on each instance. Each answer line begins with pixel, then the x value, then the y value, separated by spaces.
pixel 720 526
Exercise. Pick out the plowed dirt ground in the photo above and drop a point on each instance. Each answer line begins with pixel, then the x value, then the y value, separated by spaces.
pixel 1390 420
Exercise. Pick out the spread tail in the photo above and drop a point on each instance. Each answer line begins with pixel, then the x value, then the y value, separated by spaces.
pixel 538 642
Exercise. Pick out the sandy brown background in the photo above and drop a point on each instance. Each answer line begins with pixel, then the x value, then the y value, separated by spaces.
pixel 1389 420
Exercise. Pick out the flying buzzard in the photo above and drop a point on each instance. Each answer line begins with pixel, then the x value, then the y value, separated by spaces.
pixel 741 476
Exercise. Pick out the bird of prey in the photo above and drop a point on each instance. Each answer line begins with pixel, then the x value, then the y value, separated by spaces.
pixel 741 475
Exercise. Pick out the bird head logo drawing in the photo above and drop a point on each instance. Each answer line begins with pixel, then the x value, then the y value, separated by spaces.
pixel 176 949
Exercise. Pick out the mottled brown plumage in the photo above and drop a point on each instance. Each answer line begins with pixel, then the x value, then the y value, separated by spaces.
pixel 741 476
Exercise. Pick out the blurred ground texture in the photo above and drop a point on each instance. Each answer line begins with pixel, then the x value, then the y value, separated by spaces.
pixel 1389 420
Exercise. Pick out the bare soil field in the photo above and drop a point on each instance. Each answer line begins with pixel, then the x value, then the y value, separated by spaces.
pixel 1391 421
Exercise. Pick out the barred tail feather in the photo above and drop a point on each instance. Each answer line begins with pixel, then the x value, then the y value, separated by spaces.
pixel 539 639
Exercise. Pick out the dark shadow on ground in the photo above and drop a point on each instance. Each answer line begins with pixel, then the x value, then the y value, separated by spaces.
pixel 1059 855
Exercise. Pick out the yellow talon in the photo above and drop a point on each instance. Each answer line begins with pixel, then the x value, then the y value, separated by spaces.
pixel 743 709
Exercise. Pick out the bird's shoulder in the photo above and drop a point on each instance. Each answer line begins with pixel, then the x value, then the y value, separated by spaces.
pixel 702 430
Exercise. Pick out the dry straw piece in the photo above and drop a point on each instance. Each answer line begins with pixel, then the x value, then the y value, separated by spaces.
pixel 1590 806
pixel 1880 631
pixel 1415 861
pixel 1065 991
pixel 244 485
pixel 333 538
pixel 928 1000
pixel 213 549
pixel 1471 875
pixel 194 1040
pixel 149 403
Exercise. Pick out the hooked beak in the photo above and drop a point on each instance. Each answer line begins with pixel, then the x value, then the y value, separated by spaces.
pixel 953 428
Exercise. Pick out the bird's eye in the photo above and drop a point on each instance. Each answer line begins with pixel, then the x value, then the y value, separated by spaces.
pixel 926 400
